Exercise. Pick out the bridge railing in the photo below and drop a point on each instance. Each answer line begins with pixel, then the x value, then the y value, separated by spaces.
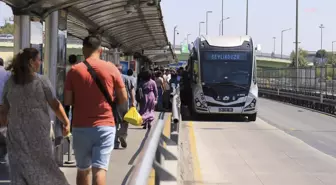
pixel 271 55
pixel 311 86
pixel 160 152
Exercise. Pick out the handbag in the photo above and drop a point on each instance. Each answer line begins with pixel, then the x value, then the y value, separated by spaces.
pixel 139 94
pixel 102 89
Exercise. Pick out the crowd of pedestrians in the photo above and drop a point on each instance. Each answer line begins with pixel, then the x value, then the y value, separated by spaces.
pixel 96 97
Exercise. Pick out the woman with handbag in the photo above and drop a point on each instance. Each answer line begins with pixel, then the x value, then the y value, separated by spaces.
pixel 26 97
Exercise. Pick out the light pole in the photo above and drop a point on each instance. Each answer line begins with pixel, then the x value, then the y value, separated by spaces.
pixel 332 51
pixel 221 24
pixel 321 27
pixel 188 38
pixel 282 39
pixel 247 15
pixel 207 21
pixel 199 28
pixel 174 36
pixel 222 17
pixel 274 38
pixel 297 36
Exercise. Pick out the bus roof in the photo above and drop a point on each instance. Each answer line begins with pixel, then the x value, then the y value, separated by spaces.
pixel 226 41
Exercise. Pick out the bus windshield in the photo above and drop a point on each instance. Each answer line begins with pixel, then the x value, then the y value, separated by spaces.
pixel 226 67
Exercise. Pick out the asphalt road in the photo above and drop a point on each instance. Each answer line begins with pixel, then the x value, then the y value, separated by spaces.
pixel 316 129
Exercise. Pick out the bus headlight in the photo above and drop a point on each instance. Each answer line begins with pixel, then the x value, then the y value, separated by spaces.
pixel 252 104
pixel 201 104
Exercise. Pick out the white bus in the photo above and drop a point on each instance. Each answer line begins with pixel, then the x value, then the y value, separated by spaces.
pixel 222 72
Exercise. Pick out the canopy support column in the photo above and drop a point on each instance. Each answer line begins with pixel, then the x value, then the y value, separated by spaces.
pixel 21 32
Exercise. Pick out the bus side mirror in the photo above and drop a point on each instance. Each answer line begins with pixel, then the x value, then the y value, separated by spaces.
pixel 258 48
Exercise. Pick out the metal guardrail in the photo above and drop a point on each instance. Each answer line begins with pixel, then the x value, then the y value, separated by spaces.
pixel 155 155
pixel 312 87
pixel 309 81
pixel 270 55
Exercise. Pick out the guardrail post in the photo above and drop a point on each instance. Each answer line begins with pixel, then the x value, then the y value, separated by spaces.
pixel 158 160
pixel 175 114
pixel 70 161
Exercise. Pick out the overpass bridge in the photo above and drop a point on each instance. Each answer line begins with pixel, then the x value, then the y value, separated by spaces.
pixel 287 144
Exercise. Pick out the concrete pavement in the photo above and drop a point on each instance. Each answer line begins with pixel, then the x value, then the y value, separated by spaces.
pixel 122 160
pixel 257 153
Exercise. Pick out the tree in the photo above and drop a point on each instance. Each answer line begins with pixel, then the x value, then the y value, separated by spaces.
pixel 302 58
pixel 321 54
pixel 321 57
pixel 8 28
pixel 331 58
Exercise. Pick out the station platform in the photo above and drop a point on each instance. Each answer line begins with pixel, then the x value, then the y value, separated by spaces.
pixel 286 145
pixel 121 162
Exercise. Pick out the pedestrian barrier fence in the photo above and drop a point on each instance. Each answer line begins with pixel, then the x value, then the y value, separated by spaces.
pixel 155 155
pixel 314 87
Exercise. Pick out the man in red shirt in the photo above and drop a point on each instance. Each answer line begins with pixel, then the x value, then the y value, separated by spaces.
pixel 93 125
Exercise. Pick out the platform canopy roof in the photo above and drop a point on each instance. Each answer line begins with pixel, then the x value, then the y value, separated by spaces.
pixel 132 25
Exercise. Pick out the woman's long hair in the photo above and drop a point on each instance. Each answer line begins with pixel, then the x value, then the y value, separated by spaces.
pixel 21 68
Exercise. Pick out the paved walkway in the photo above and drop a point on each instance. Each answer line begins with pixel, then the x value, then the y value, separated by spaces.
pixel 121 162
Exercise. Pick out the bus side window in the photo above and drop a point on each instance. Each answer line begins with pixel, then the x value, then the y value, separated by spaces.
pixel 254 77
pixel 194 66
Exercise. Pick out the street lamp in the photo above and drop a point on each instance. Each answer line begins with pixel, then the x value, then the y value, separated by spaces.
pixel 332 51
pixel 282 38
pixel 247 15
pixel 222 17
pixel 175 30
pixel 321 27
pixel 188 38
pixel 207 17
pixel 297 36
pixel 199 28
pixel 221 24
pixel 274 38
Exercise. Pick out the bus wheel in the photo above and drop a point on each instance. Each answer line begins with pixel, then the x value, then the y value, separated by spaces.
pixel 252 117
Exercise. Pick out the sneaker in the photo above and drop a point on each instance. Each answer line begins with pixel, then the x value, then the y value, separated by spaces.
pixel 123 142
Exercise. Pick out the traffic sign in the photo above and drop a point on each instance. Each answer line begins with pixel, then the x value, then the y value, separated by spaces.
pixel 185 48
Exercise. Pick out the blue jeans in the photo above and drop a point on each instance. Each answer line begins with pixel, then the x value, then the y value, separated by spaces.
pixel 93 146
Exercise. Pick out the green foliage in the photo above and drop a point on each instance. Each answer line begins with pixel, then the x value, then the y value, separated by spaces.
pixel 302 58
pixel 7 29
pixel 321 54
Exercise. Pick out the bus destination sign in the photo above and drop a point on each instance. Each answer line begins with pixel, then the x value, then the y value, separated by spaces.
pixel 226 56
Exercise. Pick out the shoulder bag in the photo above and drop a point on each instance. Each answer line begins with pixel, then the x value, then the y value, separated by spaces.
pixel 102 88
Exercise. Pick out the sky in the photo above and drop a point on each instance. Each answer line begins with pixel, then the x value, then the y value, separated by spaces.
pixel 266 20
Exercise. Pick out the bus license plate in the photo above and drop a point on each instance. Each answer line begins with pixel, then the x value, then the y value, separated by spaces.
pixel 225 109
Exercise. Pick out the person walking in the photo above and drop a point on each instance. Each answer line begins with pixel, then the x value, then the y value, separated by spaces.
pixel 3 79
pixel 90 87
pixel 26 96
pixel 69 109
pixel 149 100
pixel 121 125
pixel 160 86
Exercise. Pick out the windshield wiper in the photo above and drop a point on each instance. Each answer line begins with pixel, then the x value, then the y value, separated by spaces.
pixel 230 84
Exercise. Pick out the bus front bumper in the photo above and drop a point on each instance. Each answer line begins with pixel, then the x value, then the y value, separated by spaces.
pixel 227 110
